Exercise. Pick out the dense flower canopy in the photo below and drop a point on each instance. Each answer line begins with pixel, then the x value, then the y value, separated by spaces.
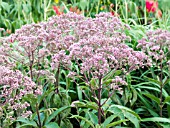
pixel 156 44
pixel 96 44
pixel 100 45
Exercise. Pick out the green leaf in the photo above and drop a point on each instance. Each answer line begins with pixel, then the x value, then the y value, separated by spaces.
pixel 93 83
pixel 111 74
pixel 107 82
pixel 7 23
pixel 155 89
pixel 92 105
pixel 79 91
pixel 132 6
pixel 93 118
pixel 117 111
pixel 5 6
pixel 141 84
pixel 42 117
pixel 117 72
pixel 65 7
pixel 65 123
pixel 27 122
pixel 166 81
pixel 129 79
pixel 107 103
pixel 83 123
pixel 78 103
pixel 115 123
pixel 152 97
pixel 168 109
pixel 32 100
pixel 108 120
pixel 25 126
pixel 46 93
pixel 57 99
pixel 127 109
pixel 167 99
pixel 26 8
pixel 164 4
pixel 148 106
pixel 51 125
pixel 84 119
pixel 55 113
pixel 165 125
pixel 132 118
pixel 153 80
pixel 156 119
pixel 98 126
pixel 134 97
pixel 83 4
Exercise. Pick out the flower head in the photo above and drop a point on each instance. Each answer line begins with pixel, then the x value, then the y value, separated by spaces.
pixel 57 10
pixel 151 5
pixel 14 87
pixel 155 44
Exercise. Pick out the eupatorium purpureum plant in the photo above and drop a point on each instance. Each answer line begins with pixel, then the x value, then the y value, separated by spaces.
pixel 30 48
pixel 15 86
pixel 99 50
pixel 156 45
pixel 96 45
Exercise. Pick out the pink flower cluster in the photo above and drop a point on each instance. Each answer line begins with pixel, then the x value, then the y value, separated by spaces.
pixel 156 44
pixel 116 82
pixel 96 44
pixel 27 46
pixel 26 43
pixel 14 87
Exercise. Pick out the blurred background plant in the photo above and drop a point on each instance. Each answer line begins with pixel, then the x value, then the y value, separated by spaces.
pixel 15 13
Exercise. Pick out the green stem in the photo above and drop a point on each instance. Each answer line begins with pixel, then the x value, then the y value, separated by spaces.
pixel 145 17
pixel 116 6
pixel 97 9
pixel 161 88
pixel 126 12
pixel 0 7
pixel 57 79
pixel 90 10
pixel 38 114
pixel 45 15
pixel 99 101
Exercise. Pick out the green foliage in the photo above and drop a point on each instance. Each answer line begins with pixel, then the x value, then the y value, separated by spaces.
pixel 14 13
pixel 45 119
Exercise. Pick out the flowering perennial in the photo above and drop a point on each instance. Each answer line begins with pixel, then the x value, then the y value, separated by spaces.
pixel 14 86
pixel 156 44
pixel 97 46
pixel 152 6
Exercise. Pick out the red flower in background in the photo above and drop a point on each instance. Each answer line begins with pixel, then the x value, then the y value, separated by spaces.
pixel 57 11
pixel 113 13
pixel 76 10
pixel 151 5
pixel 60 10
